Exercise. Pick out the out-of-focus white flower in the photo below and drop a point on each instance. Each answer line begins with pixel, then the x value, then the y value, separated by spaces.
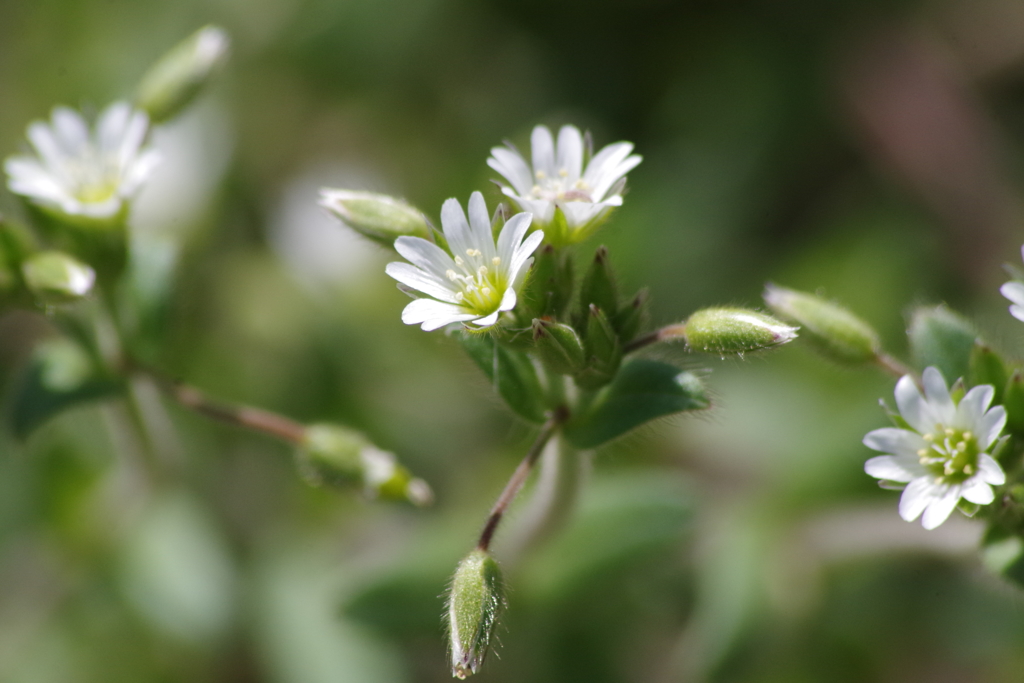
pixel 943 456
pixel 478 281
pixel 1014 291
pixel 81 173
pixel 566 200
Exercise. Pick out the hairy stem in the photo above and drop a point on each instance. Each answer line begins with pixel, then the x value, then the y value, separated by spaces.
pixel 519 476
pixel 891 365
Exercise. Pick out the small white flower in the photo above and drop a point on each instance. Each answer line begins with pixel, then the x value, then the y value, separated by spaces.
pixel 558 183
pixel 478 281
pixel 1014 291
pixel 83 173
pixel 943 456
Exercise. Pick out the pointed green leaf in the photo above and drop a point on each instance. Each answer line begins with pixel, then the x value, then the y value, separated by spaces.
pixel 643 391
pixel 942 338
pixel 511 373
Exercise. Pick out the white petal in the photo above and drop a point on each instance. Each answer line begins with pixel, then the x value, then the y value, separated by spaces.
pixel 570 153
pixel 512 236
pixel 973 406
pixel 916 497
pixel 433 314
pixel 480 226
pixel 425 255
pixel 522 254
pixel 990 471
pixel 1017 312
pixel 138 172
pixel 895 441
pixel 133 137
pixel 487 320
pixel 977 491
pixel 991 426
pixel 513 167
pixel 902 469
pixel 412 276
pixel 70 130
pixel 612 176
pixel 937 394
pixel 579 214
pixel 938 510
pixel 508 300
pixel 605 161
pixel 912 406
pixel 48 148
pixel 543 148
pixel 110 129
pixel 1014 291
pixel 456 228
pixel 543 211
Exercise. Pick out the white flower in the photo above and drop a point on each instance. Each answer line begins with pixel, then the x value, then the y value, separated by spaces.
pixel 479 281
pixel 83 173
pixel 943 456
pixel 558 183
pixel 1014 291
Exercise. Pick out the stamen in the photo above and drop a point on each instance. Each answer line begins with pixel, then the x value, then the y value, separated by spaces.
pixel 482 271
pixel 950 432
pixel 496 261
pixel 923 453
pixel 486 291
pixel 472 252
pixel 451 275
pixel 541 175
pixel 968 436
pixel 968 469
pixel 929 438
pixel 562 172
pixel 459 296
pixel 459 261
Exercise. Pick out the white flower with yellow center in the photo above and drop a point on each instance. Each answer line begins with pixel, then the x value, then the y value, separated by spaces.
pixel 558 188
pixel 81 173
pixel 478 281
pixel 943 457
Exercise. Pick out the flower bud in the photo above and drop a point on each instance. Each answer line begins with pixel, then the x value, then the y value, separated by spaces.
pixel 558 346
pixel 837 332
pixel 733 330
pixel 631 318
pixel 603 351
pixel 476 599
pixel 341 457
pixel 376 216
pixel 56 277
pixel 549 287
pixel 174 81
pixel 598 286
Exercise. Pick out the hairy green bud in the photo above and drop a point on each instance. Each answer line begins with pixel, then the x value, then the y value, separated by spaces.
pixel 834 330
pixel 56 277
pixel 475 601
pixel 733 331
pixel 631 318
pixel 340 457
pixel 558 346
pixel 549 287
pixel 175 80
pixel 603 351
pixel 598 286
pixel 377 216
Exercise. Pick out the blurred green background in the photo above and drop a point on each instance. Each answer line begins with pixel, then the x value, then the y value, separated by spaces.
pixel 869 150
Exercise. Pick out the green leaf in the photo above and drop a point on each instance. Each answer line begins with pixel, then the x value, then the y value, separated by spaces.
pixel 60 376
pixel 643 391
pixel 511 373
pixel 942 338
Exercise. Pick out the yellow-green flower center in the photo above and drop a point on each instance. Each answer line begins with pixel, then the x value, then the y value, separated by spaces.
pixel 951 454
pixel 559 189
pixel 480 286
pixel 93 179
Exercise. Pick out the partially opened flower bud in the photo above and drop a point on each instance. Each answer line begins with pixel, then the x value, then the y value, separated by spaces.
pixel 376 216
pixel 476 599
pixel 334 455
pixel 56 277
pixel 174 81
pixel 837 332
pixel 733 330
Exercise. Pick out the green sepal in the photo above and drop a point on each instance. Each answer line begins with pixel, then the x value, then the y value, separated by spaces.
pixel 632 317
pixel 558 346
pixel 512 374
pixel 60 375
pixel 475 601
pixel 642 391
pixel 986 367
pixel 941 338
pixel 1013 402
pixel 603 350
pixel 174 81
pixel 548 288
pixel 836 332
pixel 598 287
